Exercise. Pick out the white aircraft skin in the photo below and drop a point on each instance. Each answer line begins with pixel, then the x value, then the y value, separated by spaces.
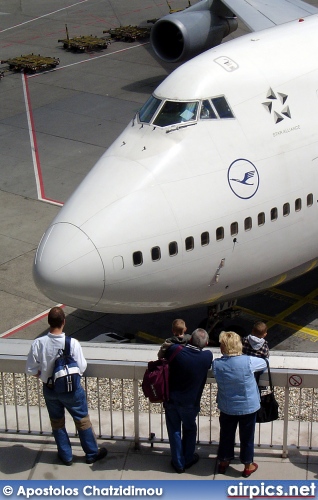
pixel 156 185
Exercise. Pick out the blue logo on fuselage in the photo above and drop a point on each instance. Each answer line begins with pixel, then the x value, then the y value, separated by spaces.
pixel 243 178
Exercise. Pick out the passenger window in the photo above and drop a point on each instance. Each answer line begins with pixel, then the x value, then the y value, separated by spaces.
pixel 261 219
pixel 234 228
pixel 155 253
pixel 298 204
pixel 274 213
pixel 220 233
pixel 205 239
pixel 286 209
pixel 137 258
pixel 310 200
pixel 207 112
pixel 189 243
pixel 222 107
pixel 248 224
pixel 173 248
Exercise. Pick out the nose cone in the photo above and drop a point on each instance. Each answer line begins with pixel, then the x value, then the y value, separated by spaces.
pixel 68 268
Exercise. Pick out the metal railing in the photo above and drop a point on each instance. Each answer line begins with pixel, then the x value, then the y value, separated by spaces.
pixel 120 411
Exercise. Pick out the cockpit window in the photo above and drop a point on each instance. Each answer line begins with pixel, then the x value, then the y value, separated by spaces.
pixel 164 113
pixel 173 112
pixel 222 107
pixel 207 112
pixel 149 108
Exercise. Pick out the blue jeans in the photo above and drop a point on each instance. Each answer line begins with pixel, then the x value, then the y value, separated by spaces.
pixel 228 425
pixel 76 405
pixel 182 448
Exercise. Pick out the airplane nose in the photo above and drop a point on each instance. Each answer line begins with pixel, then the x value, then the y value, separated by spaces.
pixel 68 264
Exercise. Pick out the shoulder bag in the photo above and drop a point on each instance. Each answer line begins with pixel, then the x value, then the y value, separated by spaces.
pixel 269 406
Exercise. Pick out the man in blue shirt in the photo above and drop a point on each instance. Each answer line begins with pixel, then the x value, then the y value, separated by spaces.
pixel 187 376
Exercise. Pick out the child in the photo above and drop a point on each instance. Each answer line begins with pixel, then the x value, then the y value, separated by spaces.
pixel 255 344
pixel 179 336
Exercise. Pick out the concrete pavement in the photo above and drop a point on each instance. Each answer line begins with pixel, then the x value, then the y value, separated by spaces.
pixel 35 458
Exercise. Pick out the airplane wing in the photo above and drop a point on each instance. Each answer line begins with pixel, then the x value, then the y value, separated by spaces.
pixel 258 15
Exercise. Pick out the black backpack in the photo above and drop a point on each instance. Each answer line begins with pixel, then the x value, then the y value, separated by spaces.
pixel 66 375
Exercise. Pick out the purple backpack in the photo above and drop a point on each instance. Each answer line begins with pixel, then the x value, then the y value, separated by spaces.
pixel 155 384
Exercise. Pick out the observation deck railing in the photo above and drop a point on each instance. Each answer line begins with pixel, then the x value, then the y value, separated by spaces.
pixel 120 411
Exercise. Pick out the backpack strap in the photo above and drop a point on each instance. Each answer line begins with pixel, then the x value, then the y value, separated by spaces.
pixel 67 348
pixel 173 355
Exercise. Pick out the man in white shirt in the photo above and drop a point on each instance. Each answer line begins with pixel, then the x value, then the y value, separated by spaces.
pixel 40 363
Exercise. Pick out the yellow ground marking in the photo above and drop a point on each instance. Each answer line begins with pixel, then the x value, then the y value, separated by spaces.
pixel 294 296
pixel 279 321
pixel 304 336
pixel 300 331
pixel 151 338
pixel 299 304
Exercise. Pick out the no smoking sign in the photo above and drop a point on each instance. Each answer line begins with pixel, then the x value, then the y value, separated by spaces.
pixel 295 380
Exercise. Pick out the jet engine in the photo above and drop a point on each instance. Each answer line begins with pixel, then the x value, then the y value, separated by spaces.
pixel 182 35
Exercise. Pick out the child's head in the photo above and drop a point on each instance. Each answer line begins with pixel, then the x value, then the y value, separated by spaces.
pixel 179 327
pixel 259 329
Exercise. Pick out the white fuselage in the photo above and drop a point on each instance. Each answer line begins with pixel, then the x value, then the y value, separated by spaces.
pixel 168 219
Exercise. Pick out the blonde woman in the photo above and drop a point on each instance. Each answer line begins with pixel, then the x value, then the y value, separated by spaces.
pixel 238 400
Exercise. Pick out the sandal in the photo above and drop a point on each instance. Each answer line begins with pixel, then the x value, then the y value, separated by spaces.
pixel 248 472
pixel 222 467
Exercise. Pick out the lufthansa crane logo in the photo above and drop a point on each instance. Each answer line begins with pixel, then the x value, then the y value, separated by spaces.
pixel 276 105
pixel 243 178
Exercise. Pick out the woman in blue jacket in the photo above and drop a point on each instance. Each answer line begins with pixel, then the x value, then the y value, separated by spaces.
pixel 238 400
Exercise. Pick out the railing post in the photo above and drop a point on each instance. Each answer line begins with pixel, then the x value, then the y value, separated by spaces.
pixel 99 410
pixel 285 430
pixel 136 414
pixel 26 387
pixel 39 391
pixel 111 408
pixel 4 403
pixel 123 408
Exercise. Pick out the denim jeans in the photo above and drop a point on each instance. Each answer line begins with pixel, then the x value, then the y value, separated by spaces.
pixel 182 447
pixel 76 405
pixel 228 425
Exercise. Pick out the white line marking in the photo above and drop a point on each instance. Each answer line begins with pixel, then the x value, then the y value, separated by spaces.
pixel 88 60
pixel 44 15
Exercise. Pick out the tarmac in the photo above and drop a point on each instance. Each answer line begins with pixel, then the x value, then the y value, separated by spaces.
pixel 54 126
